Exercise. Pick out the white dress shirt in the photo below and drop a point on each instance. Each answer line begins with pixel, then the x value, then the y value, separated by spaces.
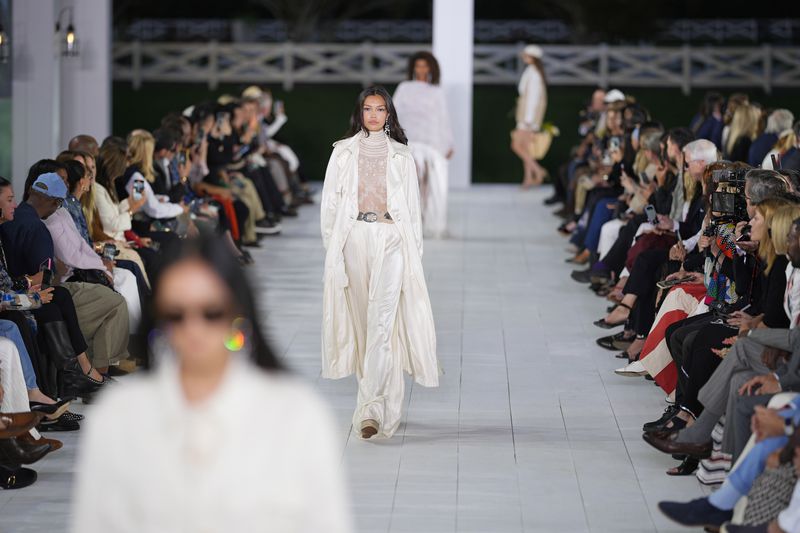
pixel 259 456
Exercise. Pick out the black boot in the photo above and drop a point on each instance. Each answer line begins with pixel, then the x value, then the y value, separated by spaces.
pixel 72 381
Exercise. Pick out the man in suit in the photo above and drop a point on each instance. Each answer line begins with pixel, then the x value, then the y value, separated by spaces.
pixel 741 382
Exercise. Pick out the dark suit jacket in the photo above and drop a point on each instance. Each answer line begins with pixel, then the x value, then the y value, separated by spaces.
pixel 694 218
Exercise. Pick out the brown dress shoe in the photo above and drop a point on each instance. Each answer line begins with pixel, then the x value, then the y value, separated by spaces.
pixel 18 423
pixel 369 428
pixel 28 438
pixel 667 444
pixel 15 453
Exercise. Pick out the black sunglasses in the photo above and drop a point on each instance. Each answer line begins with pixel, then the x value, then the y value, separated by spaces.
pixel 209 314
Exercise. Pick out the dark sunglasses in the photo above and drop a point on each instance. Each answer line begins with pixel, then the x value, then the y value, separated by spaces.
pixel 209 314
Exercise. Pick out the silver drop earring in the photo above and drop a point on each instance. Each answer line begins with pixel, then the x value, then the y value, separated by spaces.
pixel 386 128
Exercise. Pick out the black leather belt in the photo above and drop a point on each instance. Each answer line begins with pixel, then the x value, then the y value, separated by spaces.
pixel 370 216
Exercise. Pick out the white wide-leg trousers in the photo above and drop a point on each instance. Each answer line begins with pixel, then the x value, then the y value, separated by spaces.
pixel 15 393
pixel 373 257
pixel 432 171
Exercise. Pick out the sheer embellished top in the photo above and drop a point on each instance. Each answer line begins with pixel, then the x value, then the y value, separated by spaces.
pixel 373 159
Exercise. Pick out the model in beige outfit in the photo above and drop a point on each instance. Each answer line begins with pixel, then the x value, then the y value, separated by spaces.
pixel 531 106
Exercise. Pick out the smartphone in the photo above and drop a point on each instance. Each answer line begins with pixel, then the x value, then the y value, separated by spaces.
pixel 666 284
pixel 242 152
pixel 201 134
pixel 109 252
pixel 138 188
pixel 182 158
pixel 613 144
pixel 650 211
pixel 278 107
pixel 222 116
pixel 46 268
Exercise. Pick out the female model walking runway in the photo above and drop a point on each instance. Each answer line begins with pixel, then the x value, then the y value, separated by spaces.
pixel 422 106
pixel 377 318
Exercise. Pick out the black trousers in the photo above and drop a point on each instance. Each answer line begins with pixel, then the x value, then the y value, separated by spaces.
pixel 702 359
pixel 647 271
pixel 63 309
pixel 614 260
pixel 268 192
pixel 679 337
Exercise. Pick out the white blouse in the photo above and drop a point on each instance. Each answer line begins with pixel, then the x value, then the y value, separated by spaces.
pixel 113 216
pixel 259 456
pixel 422 111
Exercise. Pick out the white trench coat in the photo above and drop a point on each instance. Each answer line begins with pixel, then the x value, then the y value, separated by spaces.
pixel 415 337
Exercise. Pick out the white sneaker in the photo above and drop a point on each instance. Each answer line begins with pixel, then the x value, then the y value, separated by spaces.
pixel 632 370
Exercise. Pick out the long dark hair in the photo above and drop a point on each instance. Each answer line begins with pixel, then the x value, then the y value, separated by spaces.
pixel 75 173
pixel 433 65
pixel 212 251
pixel 356 120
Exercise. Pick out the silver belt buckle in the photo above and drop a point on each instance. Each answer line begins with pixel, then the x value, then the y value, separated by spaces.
pixel 370 217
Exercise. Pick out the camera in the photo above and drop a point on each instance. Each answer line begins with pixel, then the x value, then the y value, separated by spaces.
pixel 728 203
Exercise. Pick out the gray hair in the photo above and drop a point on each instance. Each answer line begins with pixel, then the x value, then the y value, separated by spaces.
pixel 701 149
pixel 764 184
pixel 778 121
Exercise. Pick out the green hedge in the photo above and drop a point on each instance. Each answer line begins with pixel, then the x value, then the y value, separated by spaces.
pixel 319 114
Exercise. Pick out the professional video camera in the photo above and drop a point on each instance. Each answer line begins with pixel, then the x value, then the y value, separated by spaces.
pixel 728 203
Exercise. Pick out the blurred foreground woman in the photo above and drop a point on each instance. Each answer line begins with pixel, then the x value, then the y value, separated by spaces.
pixel 218 437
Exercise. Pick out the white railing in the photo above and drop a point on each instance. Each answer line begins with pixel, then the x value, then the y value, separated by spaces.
pixel 290 63
pixel 716 30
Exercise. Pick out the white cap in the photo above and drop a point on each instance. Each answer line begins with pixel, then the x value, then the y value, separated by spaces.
pixel 533 50
pixel 614 95
pixel 188 111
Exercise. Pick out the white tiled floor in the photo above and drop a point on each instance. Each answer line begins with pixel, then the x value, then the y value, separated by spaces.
pixel 530 430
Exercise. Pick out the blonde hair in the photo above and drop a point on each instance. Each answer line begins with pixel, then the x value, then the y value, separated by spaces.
pixel 744 124
pixel 786 141
pixel 766 246
pixel 141 145
pixel 781 224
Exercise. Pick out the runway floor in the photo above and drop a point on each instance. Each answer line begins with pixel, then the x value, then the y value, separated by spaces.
pixel 530 429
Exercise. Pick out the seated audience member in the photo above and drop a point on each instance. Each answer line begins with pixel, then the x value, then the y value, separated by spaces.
pixel 77 254
pixel 778 121
pixel 102 314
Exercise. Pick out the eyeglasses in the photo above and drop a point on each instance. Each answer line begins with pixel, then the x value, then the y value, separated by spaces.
pixel 211 315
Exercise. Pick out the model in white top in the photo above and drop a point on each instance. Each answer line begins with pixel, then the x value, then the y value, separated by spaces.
pixel 377 318
pixel 422 110
pixel 531 106
pixel 219 438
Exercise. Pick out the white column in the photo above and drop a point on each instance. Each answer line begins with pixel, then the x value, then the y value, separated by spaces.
pixel 86 79
pixel 33 86
pixel 453 38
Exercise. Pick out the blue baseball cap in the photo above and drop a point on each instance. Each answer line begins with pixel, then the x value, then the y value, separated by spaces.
pixel 50 184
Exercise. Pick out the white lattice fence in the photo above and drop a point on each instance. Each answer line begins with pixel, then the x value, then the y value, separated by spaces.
pixel 290 63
